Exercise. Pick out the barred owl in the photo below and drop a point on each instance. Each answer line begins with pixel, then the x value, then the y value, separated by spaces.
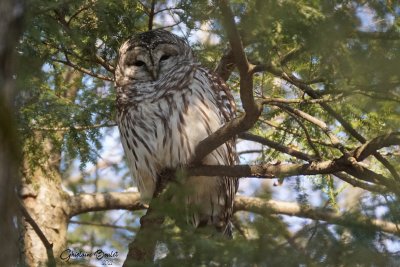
pixel 167 103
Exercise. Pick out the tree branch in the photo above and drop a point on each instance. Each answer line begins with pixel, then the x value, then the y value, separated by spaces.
pixel 82 69
pixel 107 225
pixel 361 184
pixel 83 203
pixel 151 15
pixel 273 101
pixel 246 81
pixel 262 207
pixel 104 63
pixel 80 10
pixel 289 131
pixel 277 146
pixel 269 171
pixel 359 153
pixel 142 248
pixel 347 163
pixel 258 206
pixel 225 65
pixel 74 127
pixel 49 246
pixel 170 9
pixel 322 125
pixel 370 147
pixel 311 92
pixel 251 151
pixel 291 54
pixel 95 202
pixel 251 107
pixel 388 35
pixel 308 136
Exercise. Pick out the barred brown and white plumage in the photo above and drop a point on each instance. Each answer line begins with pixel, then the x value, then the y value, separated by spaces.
pixel 167 103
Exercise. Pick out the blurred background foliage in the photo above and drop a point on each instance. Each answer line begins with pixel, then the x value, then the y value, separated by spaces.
pixel 348 51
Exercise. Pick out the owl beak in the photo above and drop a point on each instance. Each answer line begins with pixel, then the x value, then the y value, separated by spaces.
pixel 154 73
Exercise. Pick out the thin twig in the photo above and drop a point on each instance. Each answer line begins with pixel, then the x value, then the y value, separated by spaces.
pixel 308 136
pixel 359 183
pixel 107 225
pixel 319 123
pixel 276 126
pixel 81 69
pixel 277 146
pixel 76 127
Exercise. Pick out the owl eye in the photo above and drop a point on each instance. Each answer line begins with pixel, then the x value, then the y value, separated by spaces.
pixel 165 57
pixel 138 63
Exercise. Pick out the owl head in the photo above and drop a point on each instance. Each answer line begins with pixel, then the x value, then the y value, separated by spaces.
pixel 149 56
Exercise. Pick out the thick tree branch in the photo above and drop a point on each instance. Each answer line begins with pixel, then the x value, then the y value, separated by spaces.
pixel 251 151
pixel 266 170
pixel 142 249
pixel 96 202
pixel 246 81
pixel 262 206
pixel 273 101
pixel 104 201
pixel 251 107
pixel 226 132
pixel 370 147
pixel 359 154
pixel 256 205
pixel 348 163
pixel 269 171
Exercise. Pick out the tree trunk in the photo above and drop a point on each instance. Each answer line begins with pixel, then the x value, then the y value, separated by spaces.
pixel 44 199
pixel 46 203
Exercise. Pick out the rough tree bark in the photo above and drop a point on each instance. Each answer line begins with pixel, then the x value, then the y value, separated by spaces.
pixel 11 12
pixel 45 201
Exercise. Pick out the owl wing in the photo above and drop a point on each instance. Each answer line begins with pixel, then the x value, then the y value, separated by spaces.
pixel 225 98
pixel 227 107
